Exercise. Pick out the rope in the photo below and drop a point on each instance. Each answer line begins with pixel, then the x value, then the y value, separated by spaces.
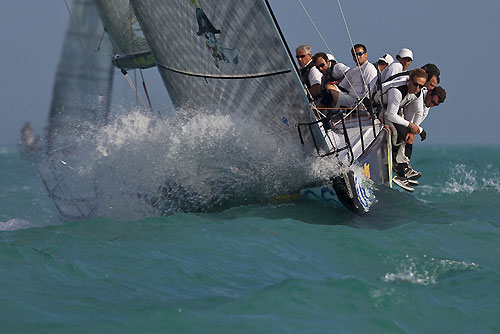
pixel 146 92
pixel 320 35
pixel 315 27
pixel 81 45
pixel 352 48
pixel 131 84
pixel 100 41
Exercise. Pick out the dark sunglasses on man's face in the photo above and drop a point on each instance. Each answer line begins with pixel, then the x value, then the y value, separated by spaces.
pixel 418 85
pixel 320 65
pixel 359 54
pixel 300 56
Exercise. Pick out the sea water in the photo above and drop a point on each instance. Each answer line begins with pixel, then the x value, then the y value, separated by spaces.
pixel 426 262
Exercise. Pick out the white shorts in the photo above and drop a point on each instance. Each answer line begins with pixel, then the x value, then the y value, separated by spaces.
pixel 346 100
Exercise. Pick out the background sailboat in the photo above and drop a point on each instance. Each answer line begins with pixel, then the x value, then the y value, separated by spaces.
pixel 80 105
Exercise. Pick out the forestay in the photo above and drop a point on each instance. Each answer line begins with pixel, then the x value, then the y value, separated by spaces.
pixel 226 55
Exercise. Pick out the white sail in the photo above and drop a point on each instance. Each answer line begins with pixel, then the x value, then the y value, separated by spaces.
pixel 226 55
pixel 121 24
pixel 80 105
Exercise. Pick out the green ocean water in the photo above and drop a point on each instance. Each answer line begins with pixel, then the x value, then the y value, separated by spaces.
pixel 427 262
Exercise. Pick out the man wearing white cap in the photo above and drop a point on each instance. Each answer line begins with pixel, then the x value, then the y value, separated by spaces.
pixel 384 61
pixel 404 59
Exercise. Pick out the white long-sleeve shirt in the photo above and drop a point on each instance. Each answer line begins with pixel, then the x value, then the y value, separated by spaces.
pixel 416 111
pixel 354 77
pixel 397 99
pixel 395 68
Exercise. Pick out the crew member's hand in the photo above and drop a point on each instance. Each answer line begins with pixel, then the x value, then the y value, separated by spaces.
pixel 331 86
pixel 410 137
pixel 423 135
pixel 413 128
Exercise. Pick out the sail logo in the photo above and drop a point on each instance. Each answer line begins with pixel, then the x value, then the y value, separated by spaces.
pixel 207 30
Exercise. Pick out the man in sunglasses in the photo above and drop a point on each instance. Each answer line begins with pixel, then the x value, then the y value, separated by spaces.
pixel 417 110
pixel 404 59
pixel 309 74
pixel 431 96
pixel 399 94
pixel 333 74
pixel 355 85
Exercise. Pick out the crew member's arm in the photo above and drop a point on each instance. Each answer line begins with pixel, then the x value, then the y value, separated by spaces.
pixel 315 90
pixel 415 111
pixel 315 79
pixel 393 103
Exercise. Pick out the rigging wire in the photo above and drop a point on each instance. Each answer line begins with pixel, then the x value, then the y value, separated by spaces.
pixel 83 49
pixel 315 27
pixel 100 41
pixel 352 47
pixel 324 41
pixel 131 84
pixel 146 92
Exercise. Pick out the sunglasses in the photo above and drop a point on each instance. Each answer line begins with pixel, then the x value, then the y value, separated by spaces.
pixel 418 85
pixel 320 65
pixel 300 56
pixel 359 54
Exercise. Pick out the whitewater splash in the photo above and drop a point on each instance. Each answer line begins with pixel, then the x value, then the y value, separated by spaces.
pixel 139 165
pixel 464 179
pixel 16 224
pixel 426 271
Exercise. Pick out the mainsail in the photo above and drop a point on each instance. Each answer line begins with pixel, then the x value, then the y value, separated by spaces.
pixel 227 56
pixel 80 105
pixel 121 24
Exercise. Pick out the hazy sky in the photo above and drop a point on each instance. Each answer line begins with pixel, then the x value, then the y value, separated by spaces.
pixel 455 35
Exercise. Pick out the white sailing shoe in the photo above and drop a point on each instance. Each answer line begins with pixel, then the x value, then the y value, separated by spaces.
pixel 403 183
pixel 412 182
pixel 410 173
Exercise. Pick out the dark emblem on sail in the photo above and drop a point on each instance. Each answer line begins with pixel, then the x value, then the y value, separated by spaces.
pixel 209 32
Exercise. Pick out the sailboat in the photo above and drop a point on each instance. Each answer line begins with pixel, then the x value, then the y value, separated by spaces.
pixel 219 55
pixel 213 56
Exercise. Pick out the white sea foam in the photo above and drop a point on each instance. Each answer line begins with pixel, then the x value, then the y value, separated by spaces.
pixel 196 160
pixel 16 224
pixel 464 179
pixel 426 271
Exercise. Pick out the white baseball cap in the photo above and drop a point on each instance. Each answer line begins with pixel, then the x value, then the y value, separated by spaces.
pixel 330 56
pixel 387 58
pixel 405 53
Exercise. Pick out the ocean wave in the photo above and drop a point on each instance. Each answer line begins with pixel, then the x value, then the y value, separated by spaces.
pixel 16 224
pixel 427 271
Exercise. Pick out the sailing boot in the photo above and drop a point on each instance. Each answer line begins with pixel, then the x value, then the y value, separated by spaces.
pixel 403 183
pixel 410 173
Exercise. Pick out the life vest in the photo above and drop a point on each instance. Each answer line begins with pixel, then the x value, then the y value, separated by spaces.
pixel 397 75
pixel 402 86
pixel 304 74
